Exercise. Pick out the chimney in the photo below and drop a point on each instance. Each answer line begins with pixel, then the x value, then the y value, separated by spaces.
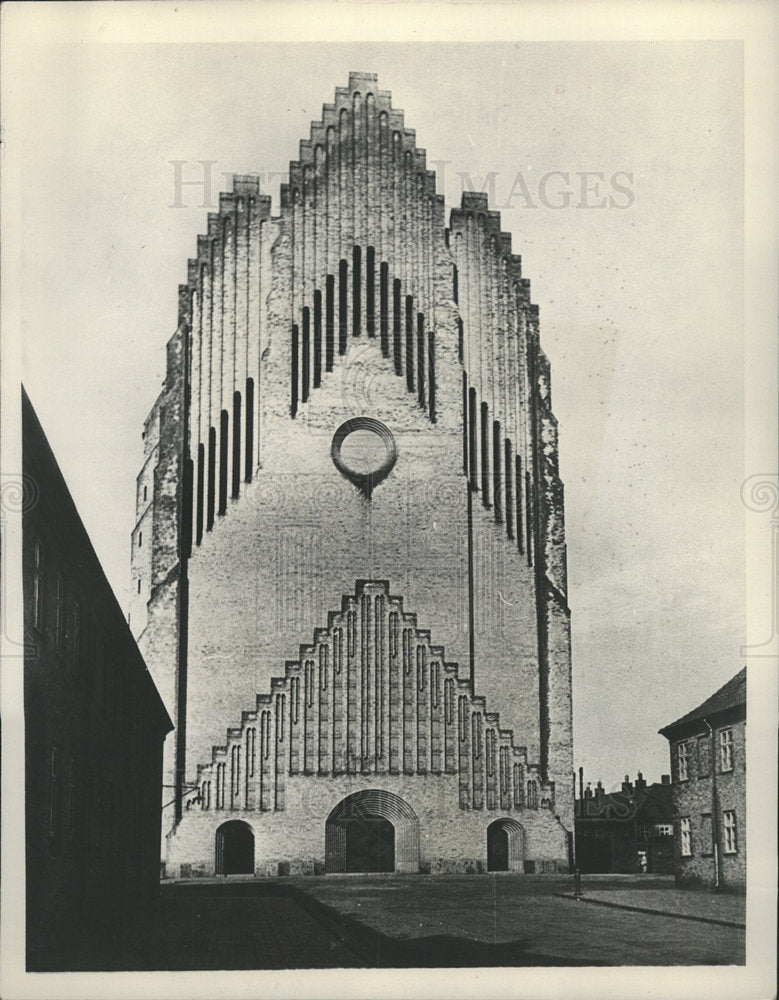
pixel 640 782
pixel 588 791
pixel 599 790
pixel 581 782
pixel 665 779
pixel 627 788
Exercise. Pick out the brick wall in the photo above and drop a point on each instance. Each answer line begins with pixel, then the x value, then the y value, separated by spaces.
pixel 449 839
pixel 693 799
pixel 357 301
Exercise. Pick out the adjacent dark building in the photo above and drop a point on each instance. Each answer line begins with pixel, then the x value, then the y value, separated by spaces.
pixel 629 831
pixel 708 765
pixel 94 731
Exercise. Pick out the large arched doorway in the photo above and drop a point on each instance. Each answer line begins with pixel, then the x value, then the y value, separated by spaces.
pixel 234 849
pixel 370 845
pixel 372 831
pixel 505 846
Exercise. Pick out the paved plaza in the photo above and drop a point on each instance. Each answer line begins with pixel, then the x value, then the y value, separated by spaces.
pixel 374 921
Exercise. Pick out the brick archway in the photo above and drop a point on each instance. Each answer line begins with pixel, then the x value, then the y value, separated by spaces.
pixel 366 807
pixel 505 846
pixel 234 848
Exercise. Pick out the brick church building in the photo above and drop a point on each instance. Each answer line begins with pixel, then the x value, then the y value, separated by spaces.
pixel 349 567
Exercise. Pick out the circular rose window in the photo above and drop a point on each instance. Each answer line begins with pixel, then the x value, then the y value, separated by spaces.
pixel 364 451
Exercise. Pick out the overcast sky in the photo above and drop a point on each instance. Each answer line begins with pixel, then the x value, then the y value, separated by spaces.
pixel 640 300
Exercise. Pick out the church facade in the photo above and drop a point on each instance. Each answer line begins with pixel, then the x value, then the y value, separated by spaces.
pixel 349 576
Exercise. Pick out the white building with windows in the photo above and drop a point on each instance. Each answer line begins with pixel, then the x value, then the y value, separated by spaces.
pixel 708 769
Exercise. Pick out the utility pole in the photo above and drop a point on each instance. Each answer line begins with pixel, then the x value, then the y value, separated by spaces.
pixel 714 816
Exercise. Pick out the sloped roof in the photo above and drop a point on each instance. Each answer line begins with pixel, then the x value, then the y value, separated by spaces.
pixel 731 695
pixel 650 805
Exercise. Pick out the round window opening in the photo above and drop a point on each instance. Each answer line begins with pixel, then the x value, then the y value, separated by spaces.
pixel 364 452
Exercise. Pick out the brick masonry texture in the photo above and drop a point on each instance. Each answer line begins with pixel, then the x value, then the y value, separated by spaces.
pixel 693 799
pixel 357 302
pixel 708 770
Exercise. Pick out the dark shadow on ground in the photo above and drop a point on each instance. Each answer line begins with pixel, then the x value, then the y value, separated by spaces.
pixel 380 951
pixel 245 924
pixel 276 925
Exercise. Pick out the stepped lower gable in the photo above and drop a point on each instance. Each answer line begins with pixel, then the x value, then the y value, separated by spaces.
pixel 357 416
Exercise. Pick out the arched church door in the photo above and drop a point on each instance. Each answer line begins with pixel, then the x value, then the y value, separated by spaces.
pixel 505 846
pixel 234 849
pixel 497 848
pixel 370 844
pixel 372 830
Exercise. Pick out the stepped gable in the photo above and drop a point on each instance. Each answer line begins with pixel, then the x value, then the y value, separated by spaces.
pixel 364 229
pixel 362 245
pixel 371 695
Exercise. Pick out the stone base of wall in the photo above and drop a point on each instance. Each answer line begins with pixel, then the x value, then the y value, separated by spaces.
pixel 436 866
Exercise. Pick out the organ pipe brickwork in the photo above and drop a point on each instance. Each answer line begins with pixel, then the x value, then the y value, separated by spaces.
pixel 358 306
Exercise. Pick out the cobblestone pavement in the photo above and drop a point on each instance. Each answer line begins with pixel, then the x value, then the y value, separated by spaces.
pixel 514 920
pixel 374 921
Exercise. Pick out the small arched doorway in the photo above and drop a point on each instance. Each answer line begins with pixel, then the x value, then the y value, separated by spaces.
pixel 234 849
pixel 372 831
pixel 505 846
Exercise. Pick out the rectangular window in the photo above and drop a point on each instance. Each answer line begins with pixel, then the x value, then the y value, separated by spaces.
pixel 235 772
pixel 644 833
pixel 250 755
pixel 685 836
pixel 235 482
pixel 210 501
pixel 396 321
pixel 496 472
pixel 201 463
pixel 704 763
pixel 37 586
pixel 509 476
pixel 520 529
pixel 421 359
pixel 726 750
pixel 317 338
pixel 707 834
pixel 484 452
pixel 663 830
pixel 384 307
pixel 224 430
pixel 681 762
pixel 330 322
pixel 729 831
pixel 305 356
pixel 472 433
pixel 370 291
pixel 410 343
pixel 343 278
pixel 249 438
pixel 356 290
